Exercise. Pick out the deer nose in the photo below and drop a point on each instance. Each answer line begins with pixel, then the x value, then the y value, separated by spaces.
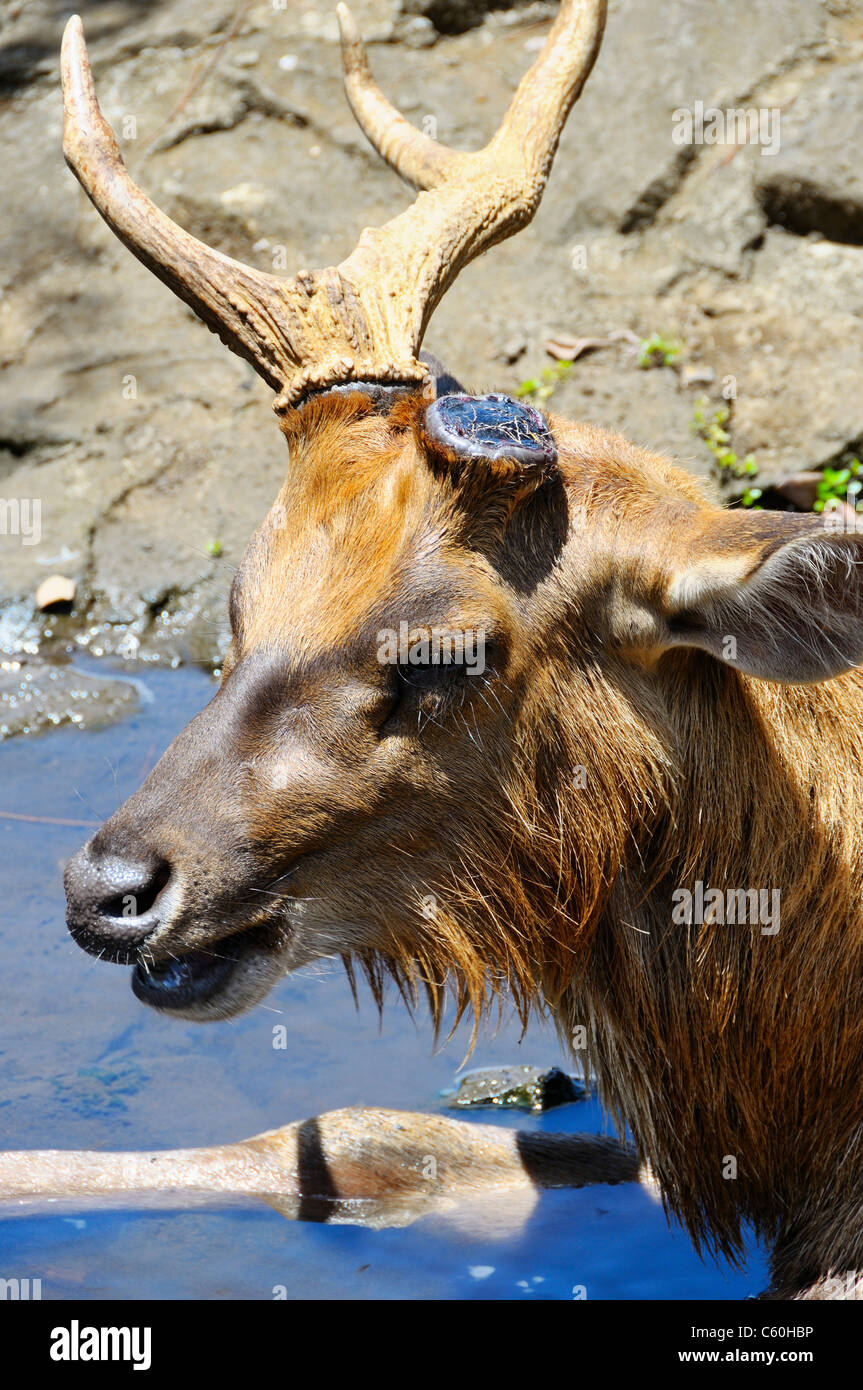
pixel 114 903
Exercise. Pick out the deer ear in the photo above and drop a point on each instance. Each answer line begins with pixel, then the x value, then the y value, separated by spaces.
pixel 777 596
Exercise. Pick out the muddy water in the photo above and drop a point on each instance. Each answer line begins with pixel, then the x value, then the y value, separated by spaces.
pixel 85 1065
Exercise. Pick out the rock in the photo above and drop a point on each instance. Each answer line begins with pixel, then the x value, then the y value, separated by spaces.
pixel 622 165
pixel 815 182
pixel 511 350
pixel 455 16
pixel 697 374
pixel 31 32
pixel 246 201
pixel 566 349
pixel 650 408
pixel 145 438
pixel 36 695
pixel 56 593
pixel 795 354
pixel 416 31
pixel 801 489
pixel 517 1088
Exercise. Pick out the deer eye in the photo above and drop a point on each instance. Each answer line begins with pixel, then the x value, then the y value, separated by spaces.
pixel 437 670
pixel 423 686
pixel 440 679
pixel 430 675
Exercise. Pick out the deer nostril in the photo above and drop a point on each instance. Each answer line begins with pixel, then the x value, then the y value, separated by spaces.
pixel 113 901
pixel 137 886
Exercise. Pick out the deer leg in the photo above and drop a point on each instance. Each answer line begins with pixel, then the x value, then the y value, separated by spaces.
pixel 377 1167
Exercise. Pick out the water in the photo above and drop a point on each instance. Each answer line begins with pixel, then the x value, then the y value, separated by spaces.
pixel 86 1066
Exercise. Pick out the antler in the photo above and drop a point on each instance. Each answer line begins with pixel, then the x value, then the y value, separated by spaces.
pixel 365 319
pixel 531 128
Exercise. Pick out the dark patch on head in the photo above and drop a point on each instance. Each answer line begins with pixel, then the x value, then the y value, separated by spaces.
pixel 462 428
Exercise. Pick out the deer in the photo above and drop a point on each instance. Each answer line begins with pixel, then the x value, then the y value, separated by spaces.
pixel 586 823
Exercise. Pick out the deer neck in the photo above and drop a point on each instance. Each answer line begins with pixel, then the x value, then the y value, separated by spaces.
pixel 731 1049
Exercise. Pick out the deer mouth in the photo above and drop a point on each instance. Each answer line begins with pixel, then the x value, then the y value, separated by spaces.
pixel 187 981
pixel 191 979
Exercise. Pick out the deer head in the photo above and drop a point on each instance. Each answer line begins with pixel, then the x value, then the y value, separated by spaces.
pixel 448 721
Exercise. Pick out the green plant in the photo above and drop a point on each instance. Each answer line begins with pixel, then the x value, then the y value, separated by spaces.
pixel 541 387
pixel 658 351
pixel 708 422
pixel 838 485
pixel 214 548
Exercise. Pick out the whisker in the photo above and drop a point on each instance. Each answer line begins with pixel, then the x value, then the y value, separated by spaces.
pixel 90 807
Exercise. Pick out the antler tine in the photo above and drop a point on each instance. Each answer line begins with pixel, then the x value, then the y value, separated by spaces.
pixel 533 122
pixel 235 301
pixel 420 161
pixel 546 94
pixel 477 199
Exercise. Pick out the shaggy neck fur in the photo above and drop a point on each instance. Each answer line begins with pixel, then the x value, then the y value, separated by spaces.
pixel 717 1041
pixel 711 1042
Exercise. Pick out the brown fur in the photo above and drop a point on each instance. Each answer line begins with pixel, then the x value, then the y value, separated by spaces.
pixel 709 1041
